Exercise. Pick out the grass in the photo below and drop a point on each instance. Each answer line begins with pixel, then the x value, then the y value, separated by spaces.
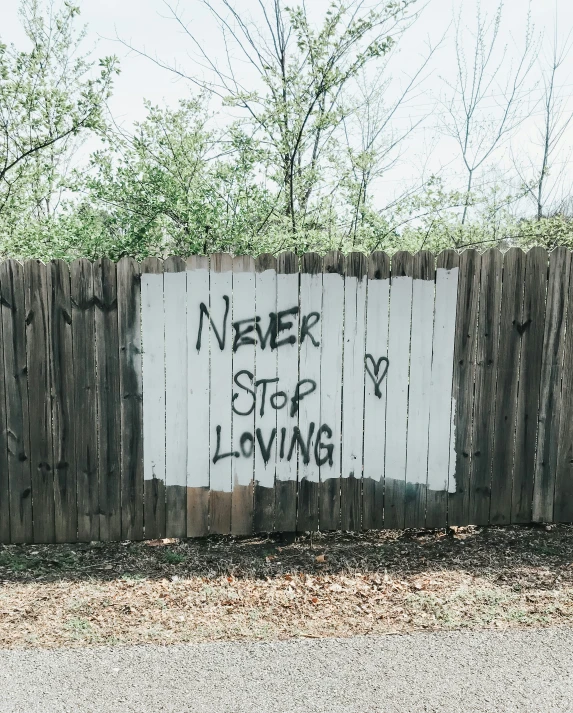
pixel 268 588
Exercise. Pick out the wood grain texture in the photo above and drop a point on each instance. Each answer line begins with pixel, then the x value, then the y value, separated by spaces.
pixel 13 311
pixel 243 409
pixel 198 416
pixel 175 302
pixel 62 382
pixel 131 395
pixel 550 397
pixel 376 382
pixel 531 326
pixel 331 386
pixel 510 338
pixel 85 399
pixel 4 472
pixel 266 422
pixel 108 403
pixel 37 283
pixel 419 397
pixel 464 384
pixel 397 391
pixel 288 372
pixel 309 418
pixel 221 295
pixel 487 350
pixel 441 458
pixel 353 391
pixel 153 385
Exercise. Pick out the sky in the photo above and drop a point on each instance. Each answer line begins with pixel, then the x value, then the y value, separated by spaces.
pixel 145 24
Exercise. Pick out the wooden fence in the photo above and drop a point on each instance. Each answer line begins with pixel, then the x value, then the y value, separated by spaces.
pixel 231 395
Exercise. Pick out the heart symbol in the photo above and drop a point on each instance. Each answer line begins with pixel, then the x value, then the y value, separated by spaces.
pixel 375 371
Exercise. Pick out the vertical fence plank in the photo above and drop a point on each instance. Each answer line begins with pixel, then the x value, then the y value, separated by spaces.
pixel 550 398
pixel 442 405
pixel 84 399
pixel 563 499
pixel 287 370
pixel 13 312
pixel 108 399
pixel 37 282
pixel 397 390
pixel 424 274
pixel 265 415
pixel 63 432
pixel 4 471
pixel 331 387
pixel 531 327
pixel 198 418
pixel 376 366
pixel 153 372
pixel 243 407
pixel 175 302
pixel 485 385
pixel 353 391
pixel 221 296
pixel 309 419
pixel 463 385
pixel 129 326
pixel 510 336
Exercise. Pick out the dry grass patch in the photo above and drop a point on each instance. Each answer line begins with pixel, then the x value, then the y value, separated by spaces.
pixel 332 585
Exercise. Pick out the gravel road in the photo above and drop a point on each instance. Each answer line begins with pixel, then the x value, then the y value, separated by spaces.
pixel 446 672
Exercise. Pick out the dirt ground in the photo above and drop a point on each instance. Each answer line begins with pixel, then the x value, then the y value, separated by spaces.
pixel 273 588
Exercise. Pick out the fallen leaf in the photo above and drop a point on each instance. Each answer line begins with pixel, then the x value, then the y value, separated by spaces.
pixel 321 558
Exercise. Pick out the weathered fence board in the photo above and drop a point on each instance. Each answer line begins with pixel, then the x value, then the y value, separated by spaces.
pixel 198 415
pixel 288 371
pixel 85 400
pixel 223 395
pixel 485 385
pixel 13 309
pixel 331 388
pixel 551 377
pixel 376 366
pixel 397 389
pixel 108 405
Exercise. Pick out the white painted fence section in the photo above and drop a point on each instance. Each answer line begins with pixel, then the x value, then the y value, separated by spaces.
pixel 248 376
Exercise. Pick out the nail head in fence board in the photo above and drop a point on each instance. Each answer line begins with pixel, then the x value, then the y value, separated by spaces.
pixel 331 386
pixel 563 502
pixel 175 300
pixel 37 282
pixel 397 388
pixel 221 480
pixel 85 400
pixel 441 461
pixel 309 407
pixel 463 383
pixel 129 327
pixel 507 382
pixel 287 370
pixel 197 398
pixel 63 428
pixel 108 403
pixel 550 401
pixel 485 385
pixel 16 387
pixel 353 391
pixel 265 425
pixel 243 360
pixel 532 328
pixel 153 371
pixel 4 473
pixel 424 274
pixel 378 302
